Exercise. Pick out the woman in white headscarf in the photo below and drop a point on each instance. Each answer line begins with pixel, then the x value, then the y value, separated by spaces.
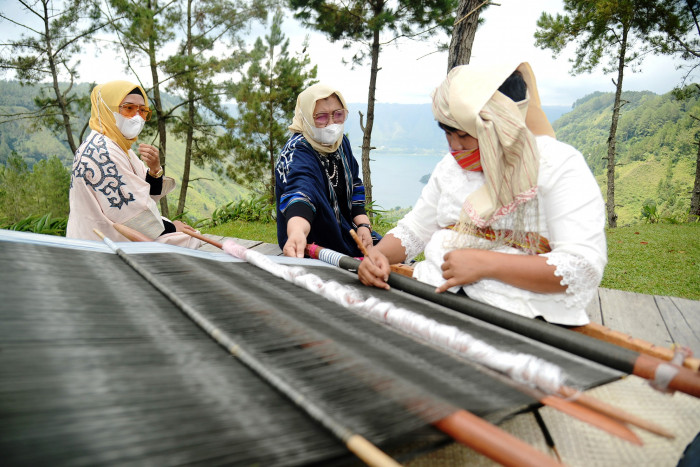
pixel 511 216
pixel 109 184
pixel 318 190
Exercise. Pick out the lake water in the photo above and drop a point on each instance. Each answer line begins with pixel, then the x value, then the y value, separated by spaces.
pixel 396 178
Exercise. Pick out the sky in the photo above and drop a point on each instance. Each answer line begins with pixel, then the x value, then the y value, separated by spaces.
pixel 410 70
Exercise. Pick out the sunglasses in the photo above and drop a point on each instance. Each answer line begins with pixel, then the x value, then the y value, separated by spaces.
pixel 129 110
pixel 322 118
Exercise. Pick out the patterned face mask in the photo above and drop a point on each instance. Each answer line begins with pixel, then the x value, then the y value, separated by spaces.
pixel 469 159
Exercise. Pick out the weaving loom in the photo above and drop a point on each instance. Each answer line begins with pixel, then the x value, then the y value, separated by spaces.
pixel 98 366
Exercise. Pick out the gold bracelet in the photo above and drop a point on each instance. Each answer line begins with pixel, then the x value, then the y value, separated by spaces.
pixel 156 175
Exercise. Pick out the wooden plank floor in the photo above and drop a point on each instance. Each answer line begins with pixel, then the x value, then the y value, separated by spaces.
pixel 658 319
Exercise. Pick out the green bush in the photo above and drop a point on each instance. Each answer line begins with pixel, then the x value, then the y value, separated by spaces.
pixel 40 224
pixel 257 208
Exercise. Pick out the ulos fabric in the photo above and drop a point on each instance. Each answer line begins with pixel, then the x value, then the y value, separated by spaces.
pixel 301 178
pixel 571 216
pixel 108 186
pixel 468 99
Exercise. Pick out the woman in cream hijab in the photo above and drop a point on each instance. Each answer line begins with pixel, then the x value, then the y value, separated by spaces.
pixel 511 216
pixel 319 193
pixel 109 184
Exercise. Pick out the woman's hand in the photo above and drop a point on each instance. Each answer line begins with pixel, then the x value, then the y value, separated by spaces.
pixel 296 242
pixel 297 230
pixel 365 237
pixel 149 155
pixel 461 267
pixel 374 269
pixel 181 227
pixel 528 272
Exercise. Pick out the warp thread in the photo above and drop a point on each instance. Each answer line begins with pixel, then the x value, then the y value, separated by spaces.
pixel 524 368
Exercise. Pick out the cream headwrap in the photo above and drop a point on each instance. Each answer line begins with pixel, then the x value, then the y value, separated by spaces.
pixel 304 114
pixel 105 99
pixel 468 99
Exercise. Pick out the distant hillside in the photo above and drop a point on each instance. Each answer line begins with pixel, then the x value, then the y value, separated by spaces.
pixel 656 148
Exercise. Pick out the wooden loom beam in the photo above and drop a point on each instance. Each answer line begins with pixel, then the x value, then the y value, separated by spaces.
pixel 606 353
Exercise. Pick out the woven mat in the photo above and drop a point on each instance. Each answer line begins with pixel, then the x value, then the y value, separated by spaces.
pixel 580 444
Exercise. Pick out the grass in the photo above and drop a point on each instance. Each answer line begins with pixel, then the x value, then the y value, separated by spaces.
pixel 653 259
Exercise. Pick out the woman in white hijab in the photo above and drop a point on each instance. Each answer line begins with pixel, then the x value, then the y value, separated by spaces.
pixel 511 216
pixel 109 184
pixel 319 193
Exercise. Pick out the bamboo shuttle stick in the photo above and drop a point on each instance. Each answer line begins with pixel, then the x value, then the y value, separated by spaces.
pixel 491 441
pixel 614 412
pixel 131 234
pixel 204 239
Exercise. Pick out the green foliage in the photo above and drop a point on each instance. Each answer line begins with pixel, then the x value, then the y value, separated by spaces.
pixel 29 193
pixel 256 208
pixel 196 70
pixel 601 29
pixel 266 97
pixel 656 148
pixel 45 224
pixel 650 214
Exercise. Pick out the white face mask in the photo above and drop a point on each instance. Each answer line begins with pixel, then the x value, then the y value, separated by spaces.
pixel 130 127
pixel 327 135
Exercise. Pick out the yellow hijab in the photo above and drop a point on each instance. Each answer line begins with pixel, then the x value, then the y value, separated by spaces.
pixel 468 99
pixel 105 99
pixel 304 114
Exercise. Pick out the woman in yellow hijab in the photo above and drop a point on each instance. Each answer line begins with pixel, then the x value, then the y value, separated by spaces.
pixel 510 216
pixel 109 184
pixel 319 193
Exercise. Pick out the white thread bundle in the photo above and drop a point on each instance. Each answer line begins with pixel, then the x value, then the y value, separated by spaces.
pixel 521 367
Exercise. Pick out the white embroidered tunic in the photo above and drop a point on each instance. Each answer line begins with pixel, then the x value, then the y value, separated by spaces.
pixel 571 217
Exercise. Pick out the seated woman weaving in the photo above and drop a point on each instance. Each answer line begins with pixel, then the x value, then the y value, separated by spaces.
pixel 511 216
pixel 319 193
pixel 109 184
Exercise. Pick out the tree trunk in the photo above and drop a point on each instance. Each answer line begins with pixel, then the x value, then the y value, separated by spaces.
pixel 158 106
pixel 610 203
pixel 270 124
pixel 54 75
pixel 367 133
pixel 188 151
pixel 190 118
pixel 463 33
pixel 694 214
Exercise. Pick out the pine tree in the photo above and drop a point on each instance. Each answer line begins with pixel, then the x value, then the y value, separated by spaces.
pixel 616 29
pixel 54 31
pixel 196 70
pixel 266 98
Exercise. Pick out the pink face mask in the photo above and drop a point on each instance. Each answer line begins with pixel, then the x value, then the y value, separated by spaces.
pixel 468 160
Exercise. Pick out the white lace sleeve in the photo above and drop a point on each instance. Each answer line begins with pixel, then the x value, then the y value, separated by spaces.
pixel 581 276
pixel 410 241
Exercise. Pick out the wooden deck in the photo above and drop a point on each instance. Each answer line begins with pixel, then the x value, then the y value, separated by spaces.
pixel 661 320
